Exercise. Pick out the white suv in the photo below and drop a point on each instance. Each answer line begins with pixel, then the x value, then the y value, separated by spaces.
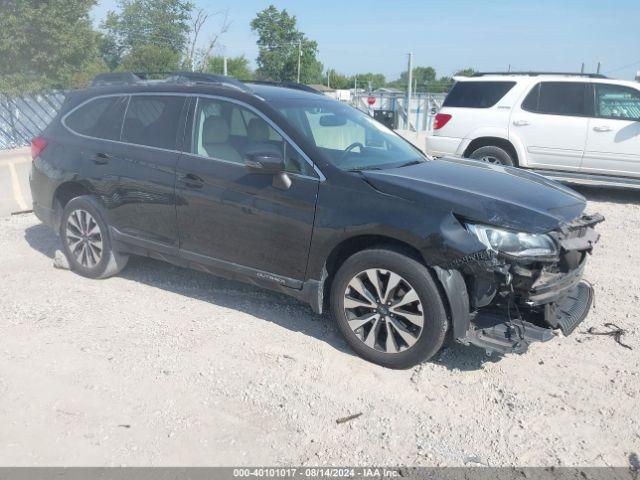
pixel 573 127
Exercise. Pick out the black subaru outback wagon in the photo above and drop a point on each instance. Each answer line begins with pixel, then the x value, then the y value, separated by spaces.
pixel 292 191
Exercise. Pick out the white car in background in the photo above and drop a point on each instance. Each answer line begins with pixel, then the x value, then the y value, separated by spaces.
pixel 581 128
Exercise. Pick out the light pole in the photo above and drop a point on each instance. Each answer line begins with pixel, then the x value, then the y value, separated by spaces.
pixel 299 58
pixel 409 85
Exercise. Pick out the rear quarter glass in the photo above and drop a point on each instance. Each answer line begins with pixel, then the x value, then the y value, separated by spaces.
pixel 477 94
pixel 100 117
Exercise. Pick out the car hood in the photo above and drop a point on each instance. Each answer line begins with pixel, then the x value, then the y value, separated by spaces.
pixel 502 196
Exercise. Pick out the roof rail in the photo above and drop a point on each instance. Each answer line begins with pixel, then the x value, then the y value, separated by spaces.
pixel 535 74
pixel 129 78
pixel 115 78
pixel 199 77
pixel 293 85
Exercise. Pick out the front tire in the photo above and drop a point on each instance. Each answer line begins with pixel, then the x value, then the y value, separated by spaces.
pixel 86 241
pixel 494 155
pixel 388 308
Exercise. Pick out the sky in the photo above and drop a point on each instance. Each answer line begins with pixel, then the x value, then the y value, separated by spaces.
pixel 356 36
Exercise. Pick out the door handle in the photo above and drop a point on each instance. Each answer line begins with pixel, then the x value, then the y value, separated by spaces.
pixel 191 180
pixel 603 128
pixel 520 123
pixel 101 158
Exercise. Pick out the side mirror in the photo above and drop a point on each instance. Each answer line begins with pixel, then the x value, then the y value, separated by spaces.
pixel 267 163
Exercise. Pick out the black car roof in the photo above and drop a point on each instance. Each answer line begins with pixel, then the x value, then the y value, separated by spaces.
pixel 272 92
pixel 254 91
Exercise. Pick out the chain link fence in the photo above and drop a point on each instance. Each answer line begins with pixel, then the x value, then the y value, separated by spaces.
pixel 23 118
pixel 391 109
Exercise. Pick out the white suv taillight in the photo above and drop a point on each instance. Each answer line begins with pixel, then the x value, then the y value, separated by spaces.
pixel 441 120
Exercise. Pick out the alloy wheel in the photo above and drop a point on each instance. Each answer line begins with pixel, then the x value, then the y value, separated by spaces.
pixel 84 238
pixel 383 310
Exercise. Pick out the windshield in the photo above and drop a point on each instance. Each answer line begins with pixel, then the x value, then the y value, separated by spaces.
pixel 346 137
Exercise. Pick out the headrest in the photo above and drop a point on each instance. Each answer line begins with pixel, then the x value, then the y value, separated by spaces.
pixel 258 130
pixel 215 130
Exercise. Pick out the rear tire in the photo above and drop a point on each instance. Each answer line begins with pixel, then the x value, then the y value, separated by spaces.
pixel 86 241
pixel 408 323
pixel 494 155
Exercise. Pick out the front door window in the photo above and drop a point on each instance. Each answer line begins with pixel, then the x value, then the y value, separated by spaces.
pixel 228 131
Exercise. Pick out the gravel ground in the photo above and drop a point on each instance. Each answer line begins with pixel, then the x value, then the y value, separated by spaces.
pixel 165 366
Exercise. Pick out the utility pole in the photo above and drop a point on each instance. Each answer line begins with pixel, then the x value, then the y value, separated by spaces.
pixel 224 65
pixel 582 68
pixel 328 78
pixel 409 85
pixel 299 58
pixel 599 65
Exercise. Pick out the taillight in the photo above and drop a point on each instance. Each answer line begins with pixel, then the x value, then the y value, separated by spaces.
pixel 38 144
pixel 441 120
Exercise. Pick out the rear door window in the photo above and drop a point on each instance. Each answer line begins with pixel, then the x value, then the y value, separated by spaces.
pixel 152 120
pixel 559 98
pixel 477 94
pixel 100 118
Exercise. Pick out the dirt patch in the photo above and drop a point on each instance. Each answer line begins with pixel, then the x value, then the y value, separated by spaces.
pixel 165 366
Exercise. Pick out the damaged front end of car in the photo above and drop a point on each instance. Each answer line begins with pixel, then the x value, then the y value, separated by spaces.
pixel 523 287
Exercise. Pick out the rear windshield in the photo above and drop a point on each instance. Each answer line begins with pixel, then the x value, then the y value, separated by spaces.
pixel 477 94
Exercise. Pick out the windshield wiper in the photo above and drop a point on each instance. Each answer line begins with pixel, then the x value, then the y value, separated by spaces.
pixel 412 162
pixel 360 169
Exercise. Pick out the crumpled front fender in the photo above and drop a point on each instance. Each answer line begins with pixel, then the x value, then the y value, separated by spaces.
pixel 457 297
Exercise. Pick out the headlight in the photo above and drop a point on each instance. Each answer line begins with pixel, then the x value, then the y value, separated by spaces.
pixel 517 244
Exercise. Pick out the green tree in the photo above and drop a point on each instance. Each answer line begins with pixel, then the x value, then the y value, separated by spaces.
pixel 443 84
pixel 465 72
pixel 237 67
pixel 377 80
pixel 338 80
pixel 278 43
pixel 421 76
pixel 110 50
pixel 151 58
pixel 46 44
pixel 146 35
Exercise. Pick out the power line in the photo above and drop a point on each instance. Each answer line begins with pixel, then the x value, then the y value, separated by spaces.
pixel 637 62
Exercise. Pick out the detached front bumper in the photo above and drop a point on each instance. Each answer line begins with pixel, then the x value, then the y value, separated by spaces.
pixel 490 330
pixel 531 301
pixel 552 287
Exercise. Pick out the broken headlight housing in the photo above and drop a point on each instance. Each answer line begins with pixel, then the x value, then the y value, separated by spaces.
pixel 516 244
